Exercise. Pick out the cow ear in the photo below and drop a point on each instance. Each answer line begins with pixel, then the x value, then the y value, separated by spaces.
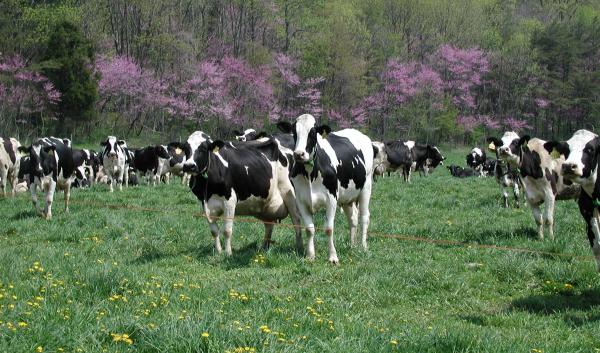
pixel 493 143
pixel 161 151
pixel 261 135
pixel 49 149
pixel 238 132
pixel 523 142
pixel 103 143
pixel 23 149
pixel 216 145
pixel 557 148
pixel 284 127
pixel 323 130
pixel 121 142
pixel 375 150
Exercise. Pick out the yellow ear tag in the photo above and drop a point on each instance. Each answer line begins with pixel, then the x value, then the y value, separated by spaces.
pixel 216 149
pixel 51 152
pixel 555 154
pixel 178 150
pixel 492 146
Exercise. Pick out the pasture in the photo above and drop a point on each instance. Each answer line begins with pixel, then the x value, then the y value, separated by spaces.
pixel 142 276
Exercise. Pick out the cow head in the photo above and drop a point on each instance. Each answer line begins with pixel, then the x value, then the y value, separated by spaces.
pixel 40 158
pixel 581 156
pixel 197 140
pixel 201 159
pixel 247 135
pixel 435 155
pixel 112 146
pixel 380 160
pixel 162 152
pixel 508 148
pixel 475 157
pixel 306 134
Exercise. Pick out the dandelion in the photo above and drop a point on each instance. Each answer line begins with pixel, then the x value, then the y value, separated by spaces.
pixel 22 324
pixel 205 334
pixel 39 349
pixel 568 286
pixel 394 342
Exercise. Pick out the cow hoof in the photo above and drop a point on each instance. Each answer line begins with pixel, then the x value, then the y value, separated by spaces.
pixel 310 258
pixel 334 260
pixel 48 216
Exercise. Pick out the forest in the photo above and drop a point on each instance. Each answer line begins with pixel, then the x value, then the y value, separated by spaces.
pixel 441 71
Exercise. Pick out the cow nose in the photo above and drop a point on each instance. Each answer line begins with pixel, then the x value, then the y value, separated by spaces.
pixel 298 155
pixel 190 168
pixel 569 167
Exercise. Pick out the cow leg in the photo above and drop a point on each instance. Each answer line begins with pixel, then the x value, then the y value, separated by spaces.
pixel 329 223
pixel 111 181
pixel 537 216
pixel 33 191
pixel 67 197
pixel 516 194
pixel 504 195
pixel 214 230
pixel 3 176
pixel 14 180
pixel 364 214
pixel 594 235
pixel 268 233
pixel 125 177
pixel 49 198
pixel 289 199
pixel 307 222
pixel 351 213
pixel 549 214
pixel 228 228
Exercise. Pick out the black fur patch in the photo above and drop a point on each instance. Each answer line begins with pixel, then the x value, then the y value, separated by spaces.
pixel 531 164
pixel 8 147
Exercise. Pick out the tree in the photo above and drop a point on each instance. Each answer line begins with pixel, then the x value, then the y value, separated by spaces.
pixel 68 64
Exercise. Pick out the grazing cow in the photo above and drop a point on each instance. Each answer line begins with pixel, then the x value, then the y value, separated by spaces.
pixel 539 174
pixel 331 169
pixel 9 163
pixel 146 161
pixel 50 166
pixel 247 135
pixel 114 160
pixel 476 160
pixel 242 179
pixel 581 167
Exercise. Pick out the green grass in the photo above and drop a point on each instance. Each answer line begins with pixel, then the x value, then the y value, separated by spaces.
pixel 154 276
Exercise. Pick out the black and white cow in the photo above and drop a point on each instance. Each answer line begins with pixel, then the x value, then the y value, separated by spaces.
pixel 476 160
pixel 146 161
pixel 539 173
pixel 399 156
pixel 380 161
pixel 331 169
pixel 241 179
pixel 50 167
pixel 114 161
pixel 247 135
pixel 426 158
pixel 460 172
pixel 582 153
pixel 9 163
pixel 82 160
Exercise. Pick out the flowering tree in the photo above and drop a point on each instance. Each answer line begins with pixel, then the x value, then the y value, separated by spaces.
pixel 25 94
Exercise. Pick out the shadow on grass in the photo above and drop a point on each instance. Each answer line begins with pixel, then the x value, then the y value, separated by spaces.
pixel 549 304
pixel 31 213
pixel 491 236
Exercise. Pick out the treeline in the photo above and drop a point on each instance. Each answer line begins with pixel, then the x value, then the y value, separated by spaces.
pixel 432 70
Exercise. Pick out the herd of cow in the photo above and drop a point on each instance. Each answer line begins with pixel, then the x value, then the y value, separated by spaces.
pixel 304 168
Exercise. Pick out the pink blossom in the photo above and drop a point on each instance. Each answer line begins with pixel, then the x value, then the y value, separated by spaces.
pixel 541 103
pixel 515 124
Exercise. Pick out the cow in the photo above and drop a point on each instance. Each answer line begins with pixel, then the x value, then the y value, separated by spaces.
pixel 114 161
pixel 9 163
pixel 247 135
pixel 146 161
pixel 581 153
pixel 379 159
pixel 331 169
pixel 241 179
pixel 460 172
pixel 507 177
pixel 476 160
pixel 425 158
pixel 50 167
pixel 539 173
pixel 82 162
pixel 399 156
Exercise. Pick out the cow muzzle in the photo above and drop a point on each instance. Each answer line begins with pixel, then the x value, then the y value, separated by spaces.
pixel 191 168
pixel 570 170
pixel 301 156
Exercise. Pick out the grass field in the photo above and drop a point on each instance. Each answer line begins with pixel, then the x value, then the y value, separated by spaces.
pixel 82 281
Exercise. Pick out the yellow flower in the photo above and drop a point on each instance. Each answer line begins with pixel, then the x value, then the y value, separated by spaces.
pixel 568 286
pixel 394 342
pixel 39 349
pixel 205 334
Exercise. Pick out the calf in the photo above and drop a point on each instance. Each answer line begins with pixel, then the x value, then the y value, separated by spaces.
pixel 331 169
pixel 241 179
pixel 539 174
pixel 146 161
pixel 581 166
pixel 476 160
pixel 426 158
pixel 50 166
pixel 9 163
pixel 460 172
pixel 399 156
pixel 507 177
pixel 114 160
pixel 82 163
